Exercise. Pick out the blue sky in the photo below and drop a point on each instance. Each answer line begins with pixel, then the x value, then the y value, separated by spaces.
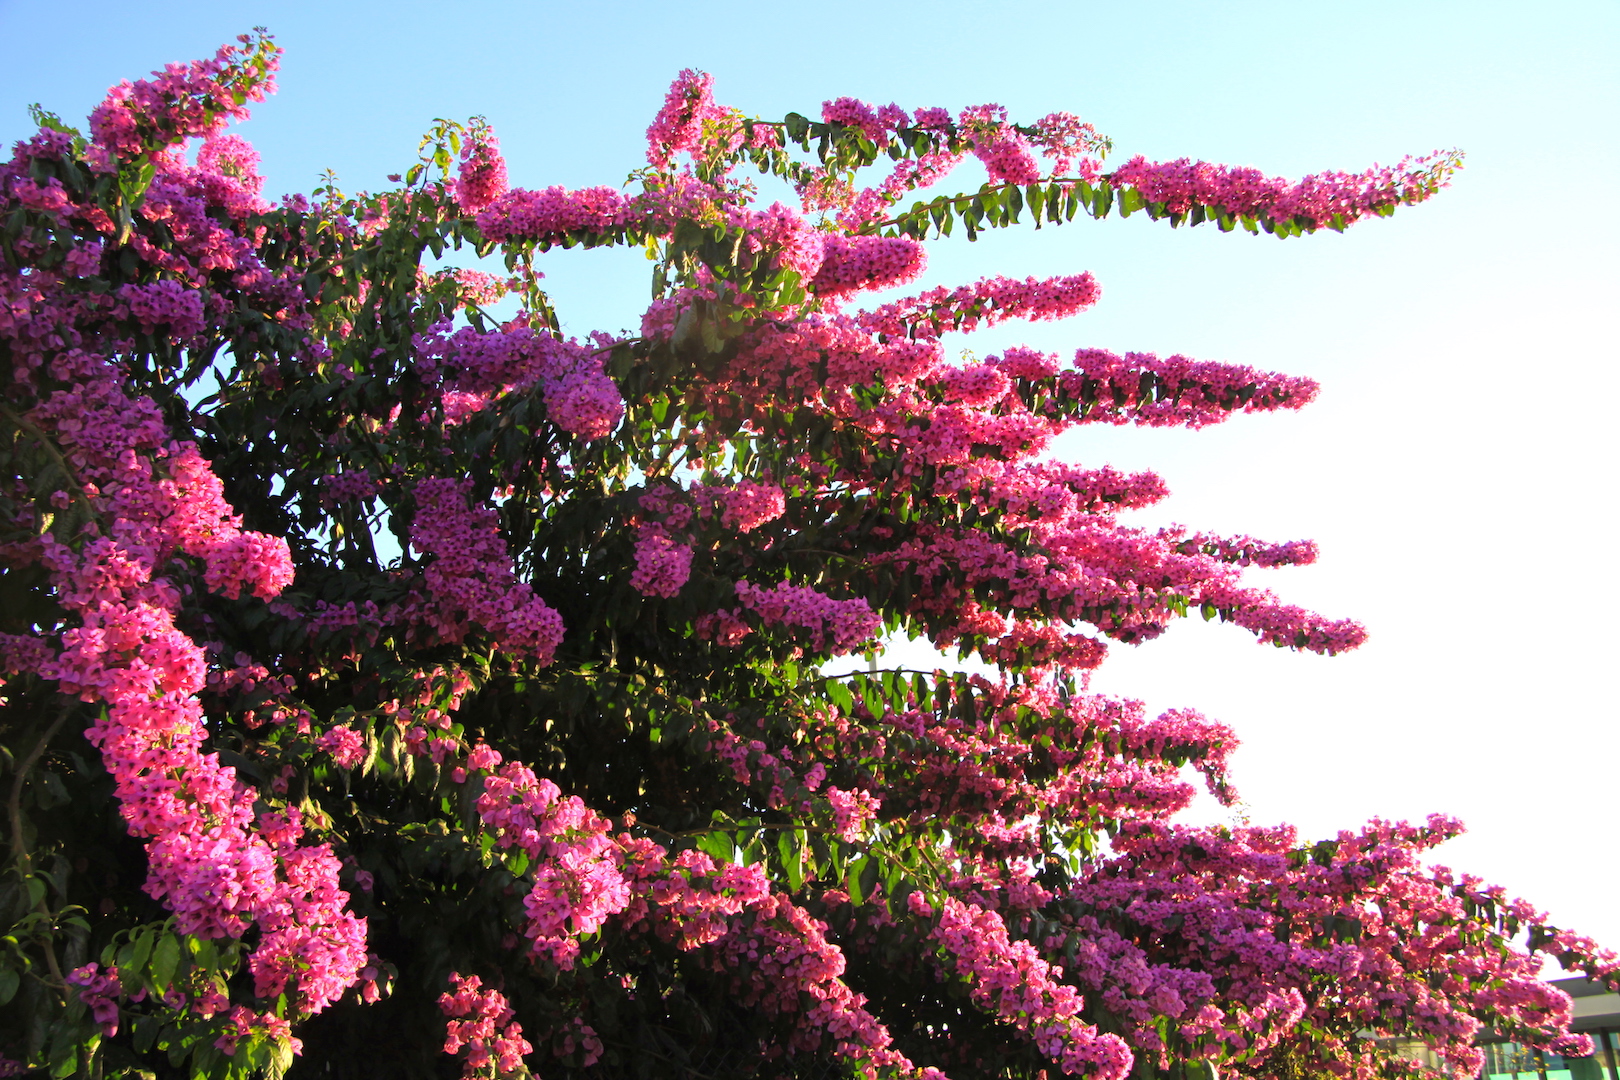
pixel 1458 470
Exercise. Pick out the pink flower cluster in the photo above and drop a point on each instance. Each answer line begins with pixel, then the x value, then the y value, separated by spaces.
pixel 1072 144
pixel 1005 152
pixel 876 124
pixel 852 811
pixel 294 946
pixel 1033 491
pixel 480 1025
pixel 1319 199
pixel 678 126
pixel 167 304
pixel 577 881
pixel 1126 582
pixel 217 869
pixel 100 991
pixel 953 435
pixel 573 895
pixel 1037 645
pixel 1010 979
pixel 841 625
pixel 1280 624
pixel 346 745
pixel 115 443
pixel 749 504
pixel 522 214
pixel 986 302
pixel 83 261
pixel 228 172
pixel 665 542
pixel 796 244
pixel 184 100
pixel 471 576
pixel 852 264
pixel 474 368
pixel 778 955
pixel 1243 550
pixel 813 363
pixel 482 175
pixel 1177 391
pixel 662 565
pixel 1360 909
pixel 689 900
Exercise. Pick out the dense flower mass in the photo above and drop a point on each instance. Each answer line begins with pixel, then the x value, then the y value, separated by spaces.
pixel 471 578
pixel 482 176
pixel 355 641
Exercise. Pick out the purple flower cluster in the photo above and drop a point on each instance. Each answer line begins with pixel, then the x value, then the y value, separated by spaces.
pixel 471 578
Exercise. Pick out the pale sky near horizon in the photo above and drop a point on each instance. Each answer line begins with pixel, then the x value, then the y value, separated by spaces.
pixel 1457 469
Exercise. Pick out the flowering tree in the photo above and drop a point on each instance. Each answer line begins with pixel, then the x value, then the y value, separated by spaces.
pixel 394 690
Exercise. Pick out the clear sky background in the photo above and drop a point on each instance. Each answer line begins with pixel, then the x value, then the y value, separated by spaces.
pixel 1459 469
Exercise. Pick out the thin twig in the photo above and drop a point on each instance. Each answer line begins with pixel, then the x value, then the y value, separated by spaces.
pixel 19 846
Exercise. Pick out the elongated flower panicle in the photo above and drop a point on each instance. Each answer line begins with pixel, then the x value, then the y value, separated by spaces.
pixel 481 178
pixel 471 573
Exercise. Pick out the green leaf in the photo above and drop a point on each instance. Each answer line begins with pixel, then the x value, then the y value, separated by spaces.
pixel 1035 195
pixel 919 686
pixel 142 949
pixel 839 695
pixel 868 875
pixel 1102 199
pixel 853 878
pixel 165 959
pixel 281 1057
pixel 797 127
pixel 9 980
pixel 788 850
pixel 720 845
pixel 872 697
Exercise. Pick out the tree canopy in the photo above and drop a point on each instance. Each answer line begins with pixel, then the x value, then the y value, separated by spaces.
pixel 396 688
